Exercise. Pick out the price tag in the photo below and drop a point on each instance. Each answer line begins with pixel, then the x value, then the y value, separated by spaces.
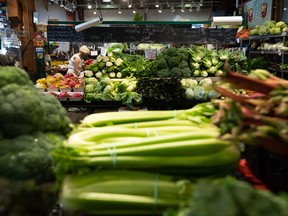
pixel 104 51
pixel 94 53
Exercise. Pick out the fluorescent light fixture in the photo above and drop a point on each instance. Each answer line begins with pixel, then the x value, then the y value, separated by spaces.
pixel 88 24
pixel 106 1
pixel 227 20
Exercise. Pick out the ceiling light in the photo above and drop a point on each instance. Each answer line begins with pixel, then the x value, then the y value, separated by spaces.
pixel 61 3
pixel 119 11
pixel 172 8
pixel 157 4
pixel 191 8
pixel 94 12
pixel 198 8
pixel 134 10
pixel 130 4
pixel 142 4
pixel 89 6
pixel 105 1
pixel 160 9
pixel 284 8
pixel 182 9
pixel 201 3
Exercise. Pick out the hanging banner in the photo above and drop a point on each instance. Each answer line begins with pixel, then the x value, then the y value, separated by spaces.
pixel 257 12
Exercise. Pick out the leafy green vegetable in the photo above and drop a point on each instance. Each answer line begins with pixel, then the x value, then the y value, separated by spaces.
pixel 161 89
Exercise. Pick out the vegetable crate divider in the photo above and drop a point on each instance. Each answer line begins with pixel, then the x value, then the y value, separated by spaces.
pixel 269 167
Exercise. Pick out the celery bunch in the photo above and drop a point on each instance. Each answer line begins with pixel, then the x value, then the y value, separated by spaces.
pixel 122 192
pixel 169 142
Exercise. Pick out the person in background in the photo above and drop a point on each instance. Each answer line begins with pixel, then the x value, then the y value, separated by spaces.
pixel 75 66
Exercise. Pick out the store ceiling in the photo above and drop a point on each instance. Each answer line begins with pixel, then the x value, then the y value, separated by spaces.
pixel 124 4
pixel 147 4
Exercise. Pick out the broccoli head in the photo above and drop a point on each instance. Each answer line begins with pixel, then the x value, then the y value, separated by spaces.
pixel 183 64
pixel 175 72
pixel 28 157
pixel 163 73
pixel 173 62
pixel 186 72
pixel 172 51
pixel 162 63
pixel 25 109
pixel 55 115
pixel 10 74
pixel 20 110
pixel 183 56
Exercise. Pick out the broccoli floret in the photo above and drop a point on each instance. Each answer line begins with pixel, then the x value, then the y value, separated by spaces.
pixel 10 74
pixel 162 63
pixel 175 72
pixel 28 156
pixel 173 62
pixel 186 72
pixel 163 73
pixel 183 64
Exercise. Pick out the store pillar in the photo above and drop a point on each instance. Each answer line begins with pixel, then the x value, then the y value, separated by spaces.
pixel 40 63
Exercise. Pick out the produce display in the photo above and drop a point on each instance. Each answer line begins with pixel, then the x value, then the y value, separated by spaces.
pixel 158 79
pixel 108 151
pixel 62 87
pixel 269 27
pixel 31 123
pixel 106 89
pixel 199 91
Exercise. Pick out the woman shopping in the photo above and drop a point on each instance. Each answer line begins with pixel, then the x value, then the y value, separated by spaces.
pixel 75 66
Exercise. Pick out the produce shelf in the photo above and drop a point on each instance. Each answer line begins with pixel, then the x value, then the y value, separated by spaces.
pixel 149 103
pixel 267 36
pixel 269 52
pixel 277 70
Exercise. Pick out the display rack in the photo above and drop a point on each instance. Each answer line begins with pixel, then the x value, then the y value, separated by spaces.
pixel 280 55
